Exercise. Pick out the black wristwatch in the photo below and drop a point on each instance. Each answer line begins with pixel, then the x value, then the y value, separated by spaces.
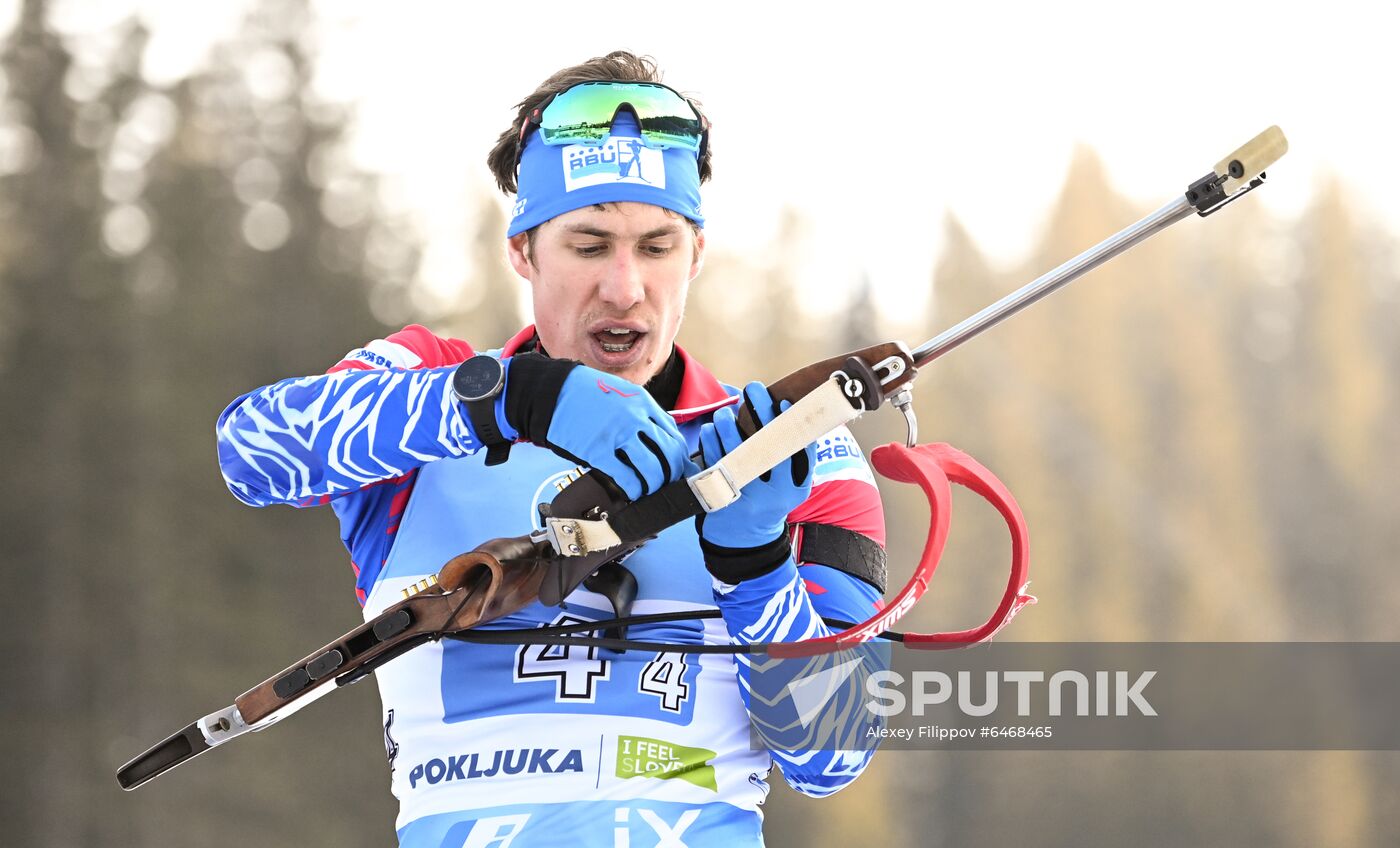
pixel 477 383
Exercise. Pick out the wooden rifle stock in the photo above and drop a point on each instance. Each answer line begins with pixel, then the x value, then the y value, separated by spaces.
pixel 499 577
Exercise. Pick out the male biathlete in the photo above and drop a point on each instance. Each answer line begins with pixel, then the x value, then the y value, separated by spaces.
pixel 425 448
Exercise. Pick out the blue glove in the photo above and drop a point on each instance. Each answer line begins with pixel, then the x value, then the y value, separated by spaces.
pixel 595 419
pixel 759 517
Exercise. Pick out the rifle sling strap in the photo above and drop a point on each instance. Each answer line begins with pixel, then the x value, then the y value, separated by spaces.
pixel 819 544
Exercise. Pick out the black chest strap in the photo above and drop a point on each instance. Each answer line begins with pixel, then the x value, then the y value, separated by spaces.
pixel 844 550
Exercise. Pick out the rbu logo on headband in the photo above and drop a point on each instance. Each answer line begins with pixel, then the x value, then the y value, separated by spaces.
pixel 618 160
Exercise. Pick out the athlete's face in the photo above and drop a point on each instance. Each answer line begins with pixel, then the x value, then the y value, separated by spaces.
pixel 610 283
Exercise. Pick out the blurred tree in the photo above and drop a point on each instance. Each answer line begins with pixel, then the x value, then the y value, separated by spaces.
pixel 1212 508
pixel 67 355
pixel 1081 354
pixel 489 311
pixel 1337 327
pixel 788 335
pixel 167 251
pixel 860 323
pixel 1327 394
pixel 746 318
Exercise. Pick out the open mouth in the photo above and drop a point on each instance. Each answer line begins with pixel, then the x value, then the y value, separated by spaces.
pixel 617 339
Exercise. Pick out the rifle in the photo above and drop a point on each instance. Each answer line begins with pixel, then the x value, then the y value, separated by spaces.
pixel 590 526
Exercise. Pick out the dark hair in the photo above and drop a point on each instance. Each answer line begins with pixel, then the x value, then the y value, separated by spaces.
pixel 617 65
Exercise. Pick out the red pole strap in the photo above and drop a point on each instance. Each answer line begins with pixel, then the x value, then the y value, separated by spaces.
pixel 932 468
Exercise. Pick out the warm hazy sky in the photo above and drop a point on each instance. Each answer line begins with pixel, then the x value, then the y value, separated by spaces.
pixel 974 108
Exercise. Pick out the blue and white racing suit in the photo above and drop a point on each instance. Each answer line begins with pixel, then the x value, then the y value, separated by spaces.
pixel 515 747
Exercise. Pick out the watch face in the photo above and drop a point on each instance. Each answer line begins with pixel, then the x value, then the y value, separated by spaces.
pixel 477 378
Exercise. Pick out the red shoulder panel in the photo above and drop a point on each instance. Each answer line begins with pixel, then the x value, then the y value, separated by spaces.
pixel 851 504
pixel 415 346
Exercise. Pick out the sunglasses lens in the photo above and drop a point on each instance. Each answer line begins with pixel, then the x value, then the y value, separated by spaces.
pixel 584 115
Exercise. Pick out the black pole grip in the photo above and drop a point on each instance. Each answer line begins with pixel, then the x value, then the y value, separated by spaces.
pixel 179 748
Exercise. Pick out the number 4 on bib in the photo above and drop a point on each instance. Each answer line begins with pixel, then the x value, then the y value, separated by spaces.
pixel 664 677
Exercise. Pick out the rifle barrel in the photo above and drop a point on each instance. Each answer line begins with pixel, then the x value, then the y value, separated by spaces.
pixel 1053 280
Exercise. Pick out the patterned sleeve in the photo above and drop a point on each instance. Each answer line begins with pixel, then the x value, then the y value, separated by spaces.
pixel 384 410
pixel 820 745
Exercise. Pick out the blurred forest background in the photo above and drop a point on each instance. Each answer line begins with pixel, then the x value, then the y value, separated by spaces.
pixel 1201 435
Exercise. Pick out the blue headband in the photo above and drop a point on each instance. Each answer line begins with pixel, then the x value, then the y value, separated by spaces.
pixel 555 179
